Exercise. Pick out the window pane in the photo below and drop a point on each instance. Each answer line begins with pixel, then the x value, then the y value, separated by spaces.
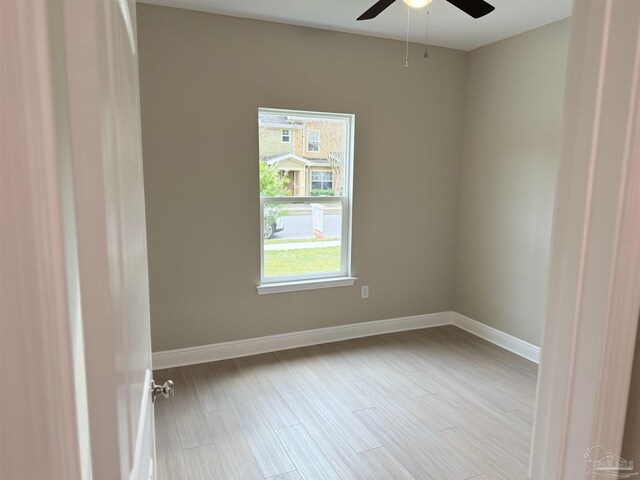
pixel 302 239
pixel 321 184
pixel 295 148
pixel 313 144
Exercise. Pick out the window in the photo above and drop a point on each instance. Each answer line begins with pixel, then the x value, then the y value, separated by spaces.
pixel 313 141
pixel 285 135
pixel 305 202
pixel 321 181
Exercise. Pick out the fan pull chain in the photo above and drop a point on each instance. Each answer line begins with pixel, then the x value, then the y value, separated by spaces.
pixel 426 50
pixel 406 53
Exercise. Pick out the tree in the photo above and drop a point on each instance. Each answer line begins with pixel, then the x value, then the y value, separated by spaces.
pixel 272 184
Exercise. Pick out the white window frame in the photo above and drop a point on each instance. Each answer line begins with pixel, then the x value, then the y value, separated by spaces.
pixel 343 277
pixel 288 135
pixel 318 142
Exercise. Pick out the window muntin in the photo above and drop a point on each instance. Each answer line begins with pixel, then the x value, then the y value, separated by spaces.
pixel 313 141
pixel 305 201
pixel 285 135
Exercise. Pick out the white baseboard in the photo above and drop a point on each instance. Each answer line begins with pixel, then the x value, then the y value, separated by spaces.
pixel 497 337
pixel 285 341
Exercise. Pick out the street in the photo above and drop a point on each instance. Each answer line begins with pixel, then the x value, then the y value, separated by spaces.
pixel 300 226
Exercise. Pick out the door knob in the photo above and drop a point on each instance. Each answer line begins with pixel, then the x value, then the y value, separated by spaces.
pixel 166 390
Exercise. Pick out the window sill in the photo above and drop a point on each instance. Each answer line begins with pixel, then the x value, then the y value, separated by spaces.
pixel 283 287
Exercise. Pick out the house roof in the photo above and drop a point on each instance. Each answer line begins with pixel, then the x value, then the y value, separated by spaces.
pixel 274 120
pixel 309 162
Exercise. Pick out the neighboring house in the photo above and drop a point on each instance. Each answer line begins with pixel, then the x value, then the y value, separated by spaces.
pixel 307 150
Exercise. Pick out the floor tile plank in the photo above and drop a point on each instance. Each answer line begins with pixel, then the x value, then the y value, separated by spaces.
pixel 263 441
pixel 191 422
pixel 385 465
pixel 209 380
pixel 287 476
pixel 259 385
pixel 328 439
pixel 236 456
pixel 330 399
pixel 310 462
pixel 423 454
pixel 436 403
pixel 169 459
pixel 203 463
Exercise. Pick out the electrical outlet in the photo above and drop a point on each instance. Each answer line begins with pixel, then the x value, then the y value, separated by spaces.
pixel 365 291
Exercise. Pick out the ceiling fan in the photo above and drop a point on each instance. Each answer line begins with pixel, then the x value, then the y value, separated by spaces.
pixel 475 8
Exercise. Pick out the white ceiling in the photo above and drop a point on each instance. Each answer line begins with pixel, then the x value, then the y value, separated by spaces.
pixel 449 27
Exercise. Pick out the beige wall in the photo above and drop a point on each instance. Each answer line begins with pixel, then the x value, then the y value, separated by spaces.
pixel 513 131
pixel 203 78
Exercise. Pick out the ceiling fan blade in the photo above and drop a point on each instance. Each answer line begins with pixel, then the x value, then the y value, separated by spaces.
pixel 376 9
pixel 475 8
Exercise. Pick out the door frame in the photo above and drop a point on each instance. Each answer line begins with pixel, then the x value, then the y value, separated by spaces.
pixel 594 279
pixel 38 434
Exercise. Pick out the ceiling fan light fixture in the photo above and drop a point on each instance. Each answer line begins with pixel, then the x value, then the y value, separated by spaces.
pixel 474 8
pixel 417 3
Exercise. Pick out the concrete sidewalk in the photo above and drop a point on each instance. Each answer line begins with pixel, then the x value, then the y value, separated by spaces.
pixel 302 246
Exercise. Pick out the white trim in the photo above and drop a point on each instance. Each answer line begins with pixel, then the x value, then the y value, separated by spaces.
pixel 346 199
pixel 285 341
pixel 282 135
pixel 39 437
pixel 284 287
pixel 336 199
pixel 103 99
pixel 497 337
pixel 273 343
pixel 142 467
pixel 594 280
pixel 286 156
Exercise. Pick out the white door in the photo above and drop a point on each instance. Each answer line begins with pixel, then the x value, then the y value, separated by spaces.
pixel 75 333
pixel 105 142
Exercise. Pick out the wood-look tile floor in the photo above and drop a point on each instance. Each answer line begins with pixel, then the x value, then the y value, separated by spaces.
pixel 436 403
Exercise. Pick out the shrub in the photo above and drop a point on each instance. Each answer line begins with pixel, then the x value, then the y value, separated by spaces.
pixel 321 193
pixel 272 183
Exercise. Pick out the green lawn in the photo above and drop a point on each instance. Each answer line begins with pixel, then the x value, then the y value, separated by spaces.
pixel 294 262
